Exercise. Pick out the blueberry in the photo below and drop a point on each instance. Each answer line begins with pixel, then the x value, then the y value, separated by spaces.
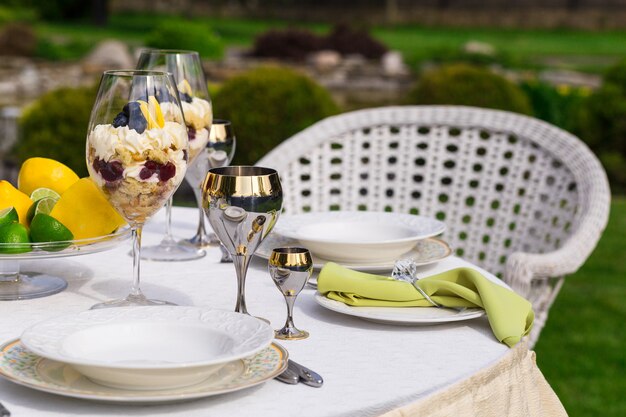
pixel 185 97
pixel 120 120
pixel 135 117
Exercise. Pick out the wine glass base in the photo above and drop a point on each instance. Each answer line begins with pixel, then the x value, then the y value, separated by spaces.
pixel 171 253
pixel 290 334
pixel 31 285
pixel 132 301
pixel 201 241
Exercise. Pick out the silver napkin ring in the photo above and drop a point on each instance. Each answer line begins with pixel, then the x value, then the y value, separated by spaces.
pixel 406 270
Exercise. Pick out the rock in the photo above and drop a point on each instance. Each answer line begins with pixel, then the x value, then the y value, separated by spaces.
pixel 325 60
pixel 108 54
pixel 480 48
pixel 393 64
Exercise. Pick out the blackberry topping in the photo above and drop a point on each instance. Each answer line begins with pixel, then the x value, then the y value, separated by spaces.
pixel 136 120
pixel 110 171
pixel 167 171
pixel 191 132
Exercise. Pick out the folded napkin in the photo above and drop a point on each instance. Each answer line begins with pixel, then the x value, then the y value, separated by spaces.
pixel 510 315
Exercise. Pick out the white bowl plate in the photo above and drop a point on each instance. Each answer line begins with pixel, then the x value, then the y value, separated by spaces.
pixel 360 236
pixel 145 348
pixel 21 366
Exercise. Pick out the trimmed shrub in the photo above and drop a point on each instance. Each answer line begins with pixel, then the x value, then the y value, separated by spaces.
pixel 17 39
pixel 347 40
pixel 602 124
pixel 467 85
pixel 293 44
pixel 267 106
pixel 296 44
pixel 555 105
pixel 55 126
pixel 179 34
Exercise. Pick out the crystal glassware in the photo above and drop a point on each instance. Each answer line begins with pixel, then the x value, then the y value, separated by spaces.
pixel 218 152
pixel 186 68
pixel 242 204
pixel 290 268
pixel 136 156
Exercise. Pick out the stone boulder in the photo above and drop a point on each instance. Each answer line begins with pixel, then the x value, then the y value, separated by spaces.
pixel 107 55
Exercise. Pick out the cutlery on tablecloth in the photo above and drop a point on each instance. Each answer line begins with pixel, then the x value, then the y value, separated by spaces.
pixel 4 412
pixel 297 373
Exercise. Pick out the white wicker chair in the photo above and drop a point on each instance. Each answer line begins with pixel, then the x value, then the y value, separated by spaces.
pixel 520 197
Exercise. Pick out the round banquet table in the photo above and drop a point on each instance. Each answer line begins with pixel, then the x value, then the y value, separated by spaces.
pixel 369 369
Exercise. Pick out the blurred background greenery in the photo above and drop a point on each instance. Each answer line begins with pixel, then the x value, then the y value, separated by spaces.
pixel 274 77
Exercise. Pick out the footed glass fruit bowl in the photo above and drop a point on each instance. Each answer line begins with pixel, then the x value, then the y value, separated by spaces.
pixel 16 285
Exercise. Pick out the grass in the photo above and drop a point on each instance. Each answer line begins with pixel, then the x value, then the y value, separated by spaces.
pixel 582 349
pixel 568 49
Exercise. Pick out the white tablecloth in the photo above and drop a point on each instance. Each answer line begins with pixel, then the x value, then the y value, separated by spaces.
pixel 368 368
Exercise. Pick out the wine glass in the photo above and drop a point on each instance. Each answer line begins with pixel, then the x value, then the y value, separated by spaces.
pixel 186 68
pixel 242 204
pixel 290 269
pixel 217 153
pixel 136 157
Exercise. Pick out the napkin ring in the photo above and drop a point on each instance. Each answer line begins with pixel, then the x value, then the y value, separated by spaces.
pixel 406 270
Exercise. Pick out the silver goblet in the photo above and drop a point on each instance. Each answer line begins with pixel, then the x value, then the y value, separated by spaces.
pixel 218 152
pixel 290 268
pixel 242 204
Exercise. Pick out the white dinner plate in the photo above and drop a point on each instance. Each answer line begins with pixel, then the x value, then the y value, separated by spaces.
pixel 424 252
pixel 154 347
pixel 401 316
pixel 358 236
pixel 21 366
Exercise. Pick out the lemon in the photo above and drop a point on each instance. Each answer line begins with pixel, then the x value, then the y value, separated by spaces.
pixel 43 172
pixel 14 239
pixel 86 212
pixel 40 193
pixel 151 110
pixel 43 205
pixel 12 197
pixel 8 216
pixel 45 228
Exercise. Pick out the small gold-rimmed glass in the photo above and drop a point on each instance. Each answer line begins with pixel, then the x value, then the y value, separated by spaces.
pixel 290 269
pixel 242 204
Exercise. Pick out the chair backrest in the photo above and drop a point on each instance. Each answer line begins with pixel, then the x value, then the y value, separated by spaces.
pixel 502 182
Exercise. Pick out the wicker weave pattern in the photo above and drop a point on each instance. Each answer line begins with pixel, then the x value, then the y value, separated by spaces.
pixel 520 197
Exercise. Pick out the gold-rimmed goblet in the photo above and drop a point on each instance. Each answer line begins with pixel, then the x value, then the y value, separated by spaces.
pixel 242 204
pixel 186 68
pixel 290 269
pixel 217 153
pixel 136 157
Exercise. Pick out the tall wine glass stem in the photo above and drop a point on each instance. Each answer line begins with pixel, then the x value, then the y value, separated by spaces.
pixel 201 233
pixel 241 267
pixel 290 299
pixel 168 239
pixel 135 291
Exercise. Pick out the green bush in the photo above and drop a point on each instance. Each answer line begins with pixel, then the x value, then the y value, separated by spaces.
pixel 602 124
pixel 267 106
pixel 556 105
pixel 55 126
pixel 462 84
pixel 179 34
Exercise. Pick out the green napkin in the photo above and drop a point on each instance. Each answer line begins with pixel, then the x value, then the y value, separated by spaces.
pixel 510 315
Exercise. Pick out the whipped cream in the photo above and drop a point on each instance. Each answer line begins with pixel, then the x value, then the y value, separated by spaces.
pixel 106 139
pixel 197 144
pixel 198 113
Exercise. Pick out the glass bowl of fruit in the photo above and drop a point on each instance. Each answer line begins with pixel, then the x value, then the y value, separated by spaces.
pixel 52 213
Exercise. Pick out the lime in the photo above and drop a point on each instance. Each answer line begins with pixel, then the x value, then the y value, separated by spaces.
pixel 45 228
pixel 43 205
pixel 42 192
pixel 14 238
pixel 8 216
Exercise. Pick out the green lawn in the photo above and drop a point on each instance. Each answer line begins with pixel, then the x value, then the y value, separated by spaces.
pixel 582 350
pixel 583 50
